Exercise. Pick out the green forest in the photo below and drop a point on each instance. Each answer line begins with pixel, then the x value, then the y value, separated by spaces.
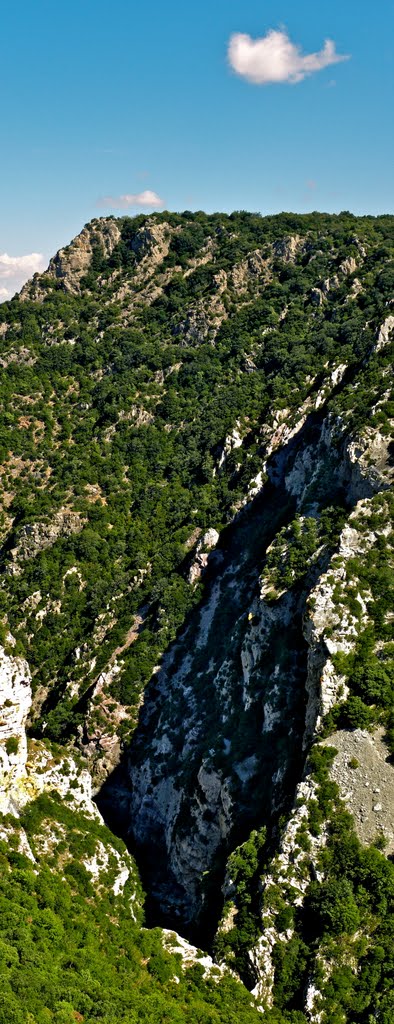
pixel 108 410
pixel 141 398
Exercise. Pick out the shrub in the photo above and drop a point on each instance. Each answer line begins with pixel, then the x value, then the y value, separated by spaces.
pixel 12 745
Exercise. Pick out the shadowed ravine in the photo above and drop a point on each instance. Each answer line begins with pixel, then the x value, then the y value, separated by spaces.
pixel 218 748
pixel 196 624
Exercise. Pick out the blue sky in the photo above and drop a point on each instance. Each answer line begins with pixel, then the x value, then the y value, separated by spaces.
pixel 112 99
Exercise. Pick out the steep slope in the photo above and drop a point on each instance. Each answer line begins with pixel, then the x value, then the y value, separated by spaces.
pixel 72 945
pixel 126 436
pixel 197 468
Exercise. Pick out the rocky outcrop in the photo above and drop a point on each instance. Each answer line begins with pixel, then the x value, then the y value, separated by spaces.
pixel 15 701
pixel 370 463
pixel 288 878
pixel 212 725
pixel 29 768
pixel 99 737
pixel 332 626
pixel 205 317
pixel 348 266
pixel 151 244
pixel 338 612
pixel 365 776
pixel 196 327
pixel 71 264
pixel 385 334
pixel 203 554
pixel 35 537
pixel 212 722
pixel 211 729
pixel 286 248
pixel 190 956
pixel 317 296
pixel 253 269
pixel 233 441
pixel 361 464
pixel 185 785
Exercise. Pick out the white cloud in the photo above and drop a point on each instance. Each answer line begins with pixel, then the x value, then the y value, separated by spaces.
pixel 12 265
pixel 146 198
pixel 16 270
pixel 274 58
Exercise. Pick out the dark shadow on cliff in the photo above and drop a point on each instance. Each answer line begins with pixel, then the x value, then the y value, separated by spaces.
pixel 198 746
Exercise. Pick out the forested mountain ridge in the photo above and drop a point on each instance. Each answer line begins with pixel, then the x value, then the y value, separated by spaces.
pixel 196 468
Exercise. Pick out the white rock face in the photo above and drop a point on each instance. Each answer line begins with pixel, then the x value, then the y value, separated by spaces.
pixel 256 485
pixel 370 464
pixel 209 539
pixel 73 262
pixel 385 333
pixel 365 777
pixel 36 537
pixel 287 248
pixel 331 627
pixel 100 862
pixel 26 771
pixel 103 746
pixel 205 545
pixel 15 701
pixel 232 441
pixel 29 769
pixel 45 773
pixel 265 620
pixel 291 867
pixel 348 266
pixel 307 467
pixel 189 821
pixel 313 1000
pixel 363 464
pixel 253 266
pixel 174 943
pixel 317 296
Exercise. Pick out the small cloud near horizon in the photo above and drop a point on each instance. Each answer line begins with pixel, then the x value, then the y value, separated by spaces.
pixel 274 58
pixel 16 270
pixel 145 198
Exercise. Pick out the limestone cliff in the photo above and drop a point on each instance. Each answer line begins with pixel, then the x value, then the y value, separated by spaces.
pixel 197 472
pixel 30 768
pixel 73 262
pixel 209 749
pixel 339 609
pixel 15 701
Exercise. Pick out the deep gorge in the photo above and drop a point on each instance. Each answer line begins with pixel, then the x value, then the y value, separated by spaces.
pixel 181 775
pixel 196 631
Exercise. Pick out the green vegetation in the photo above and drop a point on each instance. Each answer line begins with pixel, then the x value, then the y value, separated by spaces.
pixel 117 393
pixel 344 923
pixel 344 920
pixel 11 745
pixel 369 668
pixel 297 546
pixel 70 950
pixel 116 407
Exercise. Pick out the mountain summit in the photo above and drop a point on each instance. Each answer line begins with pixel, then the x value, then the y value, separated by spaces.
pixel 196 460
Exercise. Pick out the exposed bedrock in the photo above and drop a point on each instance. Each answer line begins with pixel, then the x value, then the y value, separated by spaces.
pixel 220 744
